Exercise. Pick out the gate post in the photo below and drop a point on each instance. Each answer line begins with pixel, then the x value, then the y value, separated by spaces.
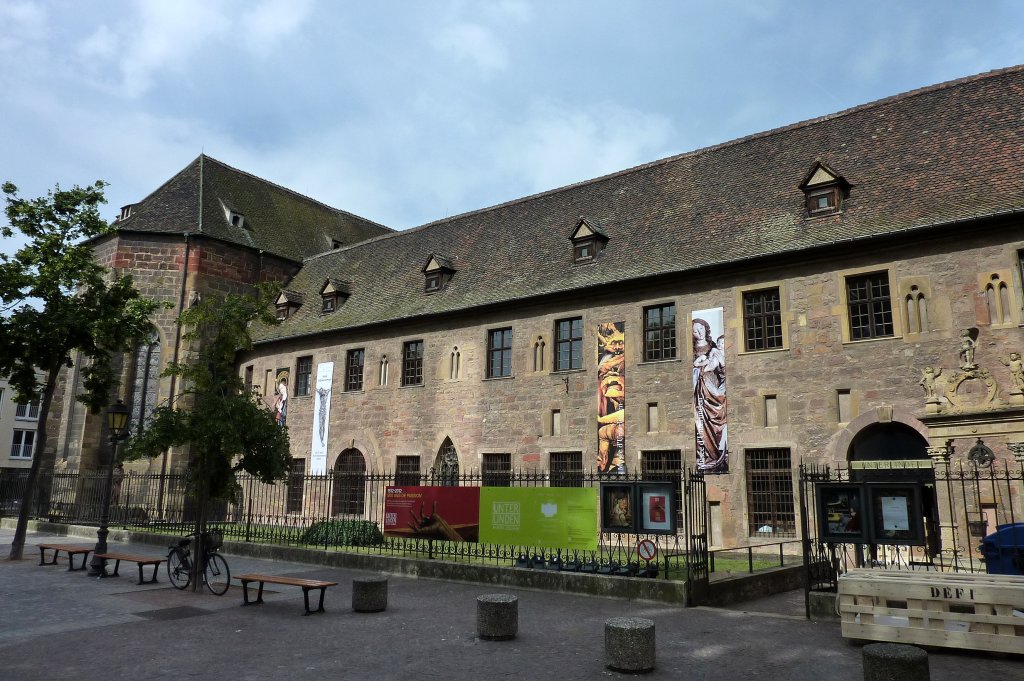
pixel 947 521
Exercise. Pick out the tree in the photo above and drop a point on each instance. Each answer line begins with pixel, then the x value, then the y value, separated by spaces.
pixel 227 427
pixel 55 299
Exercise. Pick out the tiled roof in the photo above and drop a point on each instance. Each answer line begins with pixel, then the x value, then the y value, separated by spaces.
pixel 276 220
pixel 938 155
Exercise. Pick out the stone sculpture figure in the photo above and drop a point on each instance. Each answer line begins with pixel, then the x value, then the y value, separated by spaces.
pixel 1016 370
pixel 967 345
pixel 928 376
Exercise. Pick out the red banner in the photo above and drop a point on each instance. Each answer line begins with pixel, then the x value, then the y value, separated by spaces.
pixel 449 513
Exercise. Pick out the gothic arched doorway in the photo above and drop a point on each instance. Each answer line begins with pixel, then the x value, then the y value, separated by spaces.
pixel 446 465
pixel 348 495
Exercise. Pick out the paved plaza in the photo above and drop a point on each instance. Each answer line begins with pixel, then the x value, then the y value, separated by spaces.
pixel 57 624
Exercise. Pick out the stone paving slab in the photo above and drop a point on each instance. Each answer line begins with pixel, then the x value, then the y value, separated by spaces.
pixel 57 624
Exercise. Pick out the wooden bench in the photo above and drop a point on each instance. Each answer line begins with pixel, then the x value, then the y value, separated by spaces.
pixel 139 560
pixel 71 549
pixel 306 585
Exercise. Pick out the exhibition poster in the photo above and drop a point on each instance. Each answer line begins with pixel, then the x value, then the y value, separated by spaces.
pixel 552 517
pixel 420 512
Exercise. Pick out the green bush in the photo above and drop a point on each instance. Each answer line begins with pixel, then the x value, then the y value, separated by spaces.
pixel 343 533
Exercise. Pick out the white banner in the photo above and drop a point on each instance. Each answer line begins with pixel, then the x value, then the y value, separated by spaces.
pixel 321 417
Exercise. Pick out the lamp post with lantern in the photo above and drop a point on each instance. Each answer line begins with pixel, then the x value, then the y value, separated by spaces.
pixel 117 422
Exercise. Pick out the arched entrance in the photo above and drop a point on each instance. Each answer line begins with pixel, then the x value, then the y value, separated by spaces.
pixel 446 465
pixel 348 495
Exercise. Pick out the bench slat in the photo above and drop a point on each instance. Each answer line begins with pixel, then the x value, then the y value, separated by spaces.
pixel 288 581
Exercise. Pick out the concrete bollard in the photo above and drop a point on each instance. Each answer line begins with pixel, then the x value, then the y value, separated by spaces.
pixel 497 617
pixel 370 594
pixel 629 644
pixel 894 662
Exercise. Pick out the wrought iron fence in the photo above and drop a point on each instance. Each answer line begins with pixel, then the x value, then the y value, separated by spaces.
pixel 964 502
pixel 345 511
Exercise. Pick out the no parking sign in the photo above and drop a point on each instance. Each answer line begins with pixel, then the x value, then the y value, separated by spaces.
pixel 647 550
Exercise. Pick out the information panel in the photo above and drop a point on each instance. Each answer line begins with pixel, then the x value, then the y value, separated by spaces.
pixel 552 517
pixel 450 513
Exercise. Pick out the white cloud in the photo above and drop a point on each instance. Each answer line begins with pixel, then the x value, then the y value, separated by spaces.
pixel 474 44
pixel 102 44
pixel 266 25
pixel 21 24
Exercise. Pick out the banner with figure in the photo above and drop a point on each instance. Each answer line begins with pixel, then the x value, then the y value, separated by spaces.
pixel 611 398
pixel 321 417
pixel 709 402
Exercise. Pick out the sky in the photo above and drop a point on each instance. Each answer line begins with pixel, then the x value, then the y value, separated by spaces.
pixel 408 112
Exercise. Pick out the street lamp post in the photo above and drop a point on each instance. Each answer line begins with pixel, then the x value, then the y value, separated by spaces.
pixel 117 421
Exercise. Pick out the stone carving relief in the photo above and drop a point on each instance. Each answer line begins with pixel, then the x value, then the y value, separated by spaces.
pixel 970 387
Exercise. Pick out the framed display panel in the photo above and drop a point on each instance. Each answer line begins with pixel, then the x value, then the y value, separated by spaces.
pixel 656 513
pixel 896 516
pixel 842 513
pixel 617 500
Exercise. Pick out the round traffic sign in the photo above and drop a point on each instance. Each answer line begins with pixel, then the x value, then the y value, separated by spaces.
pixel 647 550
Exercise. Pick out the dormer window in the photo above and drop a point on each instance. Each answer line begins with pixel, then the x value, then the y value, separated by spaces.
pixel 287 303
pixel 335 244
pixel 126 211
pixel 333 293
pixel 237 219
pixel 438 271
pixel 234 218
pixel 824 190
pixel 587 241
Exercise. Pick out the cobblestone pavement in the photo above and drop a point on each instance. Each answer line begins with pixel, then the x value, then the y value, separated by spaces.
pixel 57 624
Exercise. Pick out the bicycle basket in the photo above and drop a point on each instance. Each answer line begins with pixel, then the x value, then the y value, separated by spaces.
pixel 214 540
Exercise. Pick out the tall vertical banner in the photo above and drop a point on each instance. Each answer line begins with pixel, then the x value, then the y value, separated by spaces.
pixel 709 400
pixel 611 399
pixel 321 417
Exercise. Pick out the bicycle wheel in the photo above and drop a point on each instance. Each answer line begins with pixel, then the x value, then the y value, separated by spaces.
pixel 217 575
pixel 179 568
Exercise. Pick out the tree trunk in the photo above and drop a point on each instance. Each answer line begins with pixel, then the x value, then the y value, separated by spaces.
pixel 18 544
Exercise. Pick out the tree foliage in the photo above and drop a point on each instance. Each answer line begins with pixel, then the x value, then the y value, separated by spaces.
pixel 228 429
pixel 55 299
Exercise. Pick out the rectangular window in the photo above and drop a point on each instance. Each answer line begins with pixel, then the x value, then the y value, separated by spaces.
pixel 412 363
pixel 771 411
pixel 497 470
pixel 566 469
pixel 569 344
pixel 248 379
pixel 867 297
pixel 770 493
pixel 660 332
pixel 407 471
pixel 844 405
pixel 303 370
pixel 556 421
pixel 499 353
pixel 328 304
pixel 296 486
pixel 762 320
pixel 666 466
pixel 22 444
pixel 652 417
pixel 29 411
pixel 354 361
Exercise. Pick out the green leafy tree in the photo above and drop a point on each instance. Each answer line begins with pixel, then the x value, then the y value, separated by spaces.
pixel 55 299
pixel 227 428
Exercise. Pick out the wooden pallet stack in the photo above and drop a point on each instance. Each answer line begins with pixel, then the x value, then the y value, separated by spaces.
pixel 953 610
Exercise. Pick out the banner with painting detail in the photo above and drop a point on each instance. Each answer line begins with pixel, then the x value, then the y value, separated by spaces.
pixel 611 398
pixel 709 395
pixel 321 417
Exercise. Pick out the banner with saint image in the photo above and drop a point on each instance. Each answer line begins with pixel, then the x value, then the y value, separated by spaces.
pixel 709 397
pixel 611 398
pixel 321 417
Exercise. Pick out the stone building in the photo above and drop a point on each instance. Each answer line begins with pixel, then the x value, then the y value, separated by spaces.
pixel 746 307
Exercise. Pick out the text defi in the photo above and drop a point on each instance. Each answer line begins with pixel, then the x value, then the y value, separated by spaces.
pixel 950 592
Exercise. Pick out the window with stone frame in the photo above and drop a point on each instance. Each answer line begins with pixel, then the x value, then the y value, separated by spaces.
pixel 303 374
pixel 354 361
pixel 348 495
pixel 569 344
pixel 412 363
pixel 566 469
pixel 770 505
pixel 869 306
pixel 499 353
pixel 407 471
pixel 666 466
pixel 660 332
pixel 296 486
pixel 762 320
pixel 496 470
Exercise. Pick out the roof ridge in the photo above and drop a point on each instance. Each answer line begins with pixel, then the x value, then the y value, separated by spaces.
pixel 292 191
pixel 169 180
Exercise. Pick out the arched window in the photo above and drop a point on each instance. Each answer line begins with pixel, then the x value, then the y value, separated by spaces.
pixel 917 311
pixel 456 364
pixel 997 297
pixel 446 465
pixel 538 354
pixel 384 370
pixel 145 381
pixel 349 491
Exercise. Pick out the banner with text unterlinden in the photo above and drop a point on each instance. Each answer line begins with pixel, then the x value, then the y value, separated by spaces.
pixel 551 517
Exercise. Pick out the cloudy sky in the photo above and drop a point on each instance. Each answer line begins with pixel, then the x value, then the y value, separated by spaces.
pixel 405 112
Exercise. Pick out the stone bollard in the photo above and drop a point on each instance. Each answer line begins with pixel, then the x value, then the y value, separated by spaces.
pixel 370 594
pixel 629 644
pixel 497 617
pixel 894 662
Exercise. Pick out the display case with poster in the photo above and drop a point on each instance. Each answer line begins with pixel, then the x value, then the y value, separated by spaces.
pixel 617 507
pixel 841 513
pixel 896 516
pixel 655 507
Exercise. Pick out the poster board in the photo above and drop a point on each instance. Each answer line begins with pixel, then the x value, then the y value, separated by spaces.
pixel 552 517
pixel 430 512
pixel 617 507
pixel 655 508
pixel 842 513
pixel 896 514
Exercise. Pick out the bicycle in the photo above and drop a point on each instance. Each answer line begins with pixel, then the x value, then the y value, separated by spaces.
pixel 215 572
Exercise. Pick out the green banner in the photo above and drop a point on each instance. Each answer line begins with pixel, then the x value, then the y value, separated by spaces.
pixel 549 517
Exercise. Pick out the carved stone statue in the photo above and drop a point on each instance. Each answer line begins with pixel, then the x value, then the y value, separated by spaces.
pixel 928 376
pixel 1016 371
pixel 967 345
